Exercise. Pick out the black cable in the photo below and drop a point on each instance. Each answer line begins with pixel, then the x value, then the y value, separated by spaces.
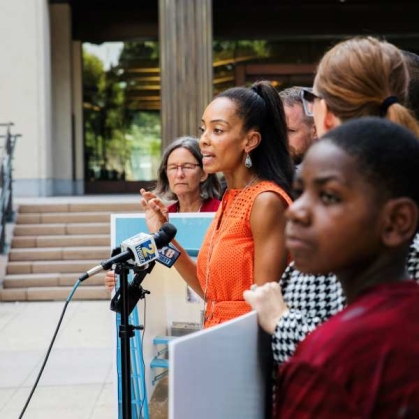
pixel 143 331
pixel 50 347
pixel 142 355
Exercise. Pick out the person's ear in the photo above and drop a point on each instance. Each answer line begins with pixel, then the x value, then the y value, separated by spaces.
pixel 253 139
pixel 331 120
pixel 204 176
pixel 328 120
pixel 400 221
pixel 313 133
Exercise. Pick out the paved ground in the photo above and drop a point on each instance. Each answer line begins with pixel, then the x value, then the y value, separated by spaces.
pixel 77 380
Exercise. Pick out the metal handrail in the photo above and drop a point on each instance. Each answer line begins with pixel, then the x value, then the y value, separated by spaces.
pixel 6 184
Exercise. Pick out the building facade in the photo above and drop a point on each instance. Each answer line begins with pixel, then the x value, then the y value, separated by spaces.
pixel 187 50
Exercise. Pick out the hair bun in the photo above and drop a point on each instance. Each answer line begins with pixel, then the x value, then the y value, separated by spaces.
pixel 256 87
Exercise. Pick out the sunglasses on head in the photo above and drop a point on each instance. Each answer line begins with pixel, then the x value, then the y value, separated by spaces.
pixel 308 97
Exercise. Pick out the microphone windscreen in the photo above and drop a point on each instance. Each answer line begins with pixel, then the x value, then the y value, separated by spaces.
pixel 165 235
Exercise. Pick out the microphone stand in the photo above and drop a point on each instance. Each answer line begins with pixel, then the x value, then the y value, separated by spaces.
pixel 126 331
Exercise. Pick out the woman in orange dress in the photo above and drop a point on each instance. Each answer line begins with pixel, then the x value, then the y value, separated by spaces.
pixel 244 136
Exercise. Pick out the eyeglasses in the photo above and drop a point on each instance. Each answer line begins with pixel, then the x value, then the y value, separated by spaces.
pixel 185 167
pixel 308 97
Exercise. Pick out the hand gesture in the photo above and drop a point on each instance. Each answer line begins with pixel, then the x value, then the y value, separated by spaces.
pixel 156 213
pixel 267 300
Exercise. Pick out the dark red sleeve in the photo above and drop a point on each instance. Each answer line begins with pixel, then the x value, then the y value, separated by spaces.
pixel 304 392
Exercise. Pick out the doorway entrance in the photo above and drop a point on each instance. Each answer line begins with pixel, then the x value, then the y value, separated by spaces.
pixel 121 112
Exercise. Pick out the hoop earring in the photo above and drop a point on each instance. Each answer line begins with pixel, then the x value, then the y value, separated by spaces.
pixel 248 162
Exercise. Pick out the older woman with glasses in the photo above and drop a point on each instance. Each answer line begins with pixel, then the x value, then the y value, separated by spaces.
pixel 182 179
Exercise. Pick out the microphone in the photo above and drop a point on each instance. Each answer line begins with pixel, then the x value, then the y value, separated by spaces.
pixel 140 250
pixel 167 256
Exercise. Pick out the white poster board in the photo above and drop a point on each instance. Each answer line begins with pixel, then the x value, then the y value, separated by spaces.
pixel 220 372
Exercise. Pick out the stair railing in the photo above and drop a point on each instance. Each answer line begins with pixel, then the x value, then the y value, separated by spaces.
pixel 6 184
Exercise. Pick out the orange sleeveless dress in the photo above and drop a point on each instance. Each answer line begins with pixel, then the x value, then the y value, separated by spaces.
pixel 225 261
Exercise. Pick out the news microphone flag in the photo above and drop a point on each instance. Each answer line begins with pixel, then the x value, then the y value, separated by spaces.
pixel 140 249
pixel 143 248
pixel 168 255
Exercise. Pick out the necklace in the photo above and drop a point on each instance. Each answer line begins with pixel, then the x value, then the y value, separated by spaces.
pixel 212 244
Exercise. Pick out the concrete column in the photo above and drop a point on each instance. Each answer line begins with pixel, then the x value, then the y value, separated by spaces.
pixel 25 85
pixel 185 31
pixel 62 124
pixel 78 142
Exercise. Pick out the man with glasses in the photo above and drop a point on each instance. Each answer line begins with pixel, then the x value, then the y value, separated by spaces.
pixel 301 128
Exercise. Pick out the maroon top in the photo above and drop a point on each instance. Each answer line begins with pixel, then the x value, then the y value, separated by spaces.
pixel 209 205
pixel 362 363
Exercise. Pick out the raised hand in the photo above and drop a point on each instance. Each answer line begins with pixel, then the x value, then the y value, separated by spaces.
pixel 156 213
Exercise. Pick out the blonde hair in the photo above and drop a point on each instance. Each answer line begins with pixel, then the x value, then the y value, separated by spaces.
pixel 357 75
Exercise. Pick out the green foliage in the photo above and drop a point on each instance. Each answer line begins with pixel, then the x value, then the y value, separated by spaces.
pixel 236 49
pixel 93 79
pixel 116 135
pixel 131 51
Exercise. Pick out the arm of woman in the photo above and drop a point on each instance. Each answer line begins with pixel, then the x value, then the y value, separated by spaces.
pixel 267 222
pixel 186 267
pixel 156 214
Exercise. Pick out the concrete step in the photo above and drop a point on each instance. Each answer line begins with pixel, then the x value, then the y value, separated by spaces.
pixel 113 206
pixel 51 280
pixel 55 241
pixel 61 229
pixel 54 293
pixel 51 266
pixel 64 218
pixel 61 241
pixel 60 253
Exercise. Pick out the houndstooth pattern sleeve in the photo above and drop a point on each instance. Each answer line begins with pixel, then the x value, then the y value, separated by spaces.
pixel 311 300
pixel 413 259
